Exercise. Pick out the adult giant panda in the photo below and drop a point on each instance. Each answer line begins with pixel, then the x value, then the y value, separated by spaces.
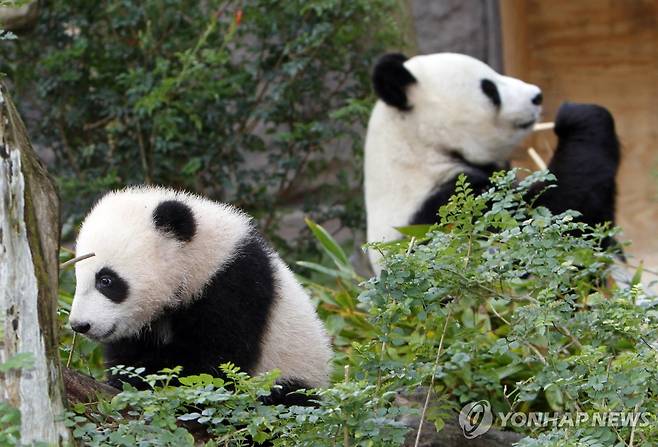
pixel 180 280
pixel 444 114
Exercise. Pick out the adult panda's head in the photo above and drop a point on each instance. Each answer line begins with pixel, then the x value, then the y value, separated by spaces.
pixel 154 249
pixel 454 103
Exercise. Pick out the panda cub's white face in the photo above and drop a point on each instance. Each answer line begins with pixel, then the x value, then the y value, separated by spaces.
pixel 154 250
pixel 456 103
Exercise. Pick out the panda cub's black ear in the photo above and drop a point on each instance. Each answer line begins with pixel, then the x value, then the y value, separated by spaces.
pixel 174 218
pixel 390 79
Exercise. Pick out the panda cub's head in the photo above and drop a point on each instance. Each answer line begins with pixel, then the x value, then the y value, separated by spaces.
pixel 154 250
pixel 454 103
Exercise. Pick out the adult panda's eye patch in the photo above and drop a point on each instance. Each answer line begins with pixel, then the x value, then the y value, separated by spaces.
pixel 489 88
pixel 110 284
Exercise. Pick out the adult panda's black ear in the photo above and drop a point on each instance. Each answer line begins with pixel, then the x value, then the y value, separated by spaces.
pixel 390 79
pixel 175 219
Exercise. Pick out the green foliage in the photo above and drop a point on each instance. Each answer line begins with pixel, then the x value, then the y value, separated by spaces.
pixel 336 289
pixel 248 101
pixel 79 353
pixel 10 424
pixel 228 411
pixel 10 417
pixel 515 298
pixel 498 301
pixel 6 35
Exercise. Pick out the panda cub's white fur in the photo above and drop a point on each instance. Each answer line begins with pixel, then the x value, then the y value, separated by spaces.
pixel 164 272
pixel 432 117
pixel 192 280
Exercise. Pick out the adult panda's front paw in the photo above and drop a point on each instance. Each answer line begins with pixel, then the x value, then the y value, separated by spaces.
pixel 587 123
pixel 587 141
pixel 115 382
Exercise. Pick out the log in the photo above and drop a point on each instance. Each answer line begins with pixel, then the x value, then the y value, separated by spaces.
pixel 29 242
pixel 451 435
pixel 81 388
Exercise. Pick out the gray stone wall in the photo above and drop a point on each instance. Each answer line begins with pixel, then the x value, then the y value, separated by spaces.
pixel 462 26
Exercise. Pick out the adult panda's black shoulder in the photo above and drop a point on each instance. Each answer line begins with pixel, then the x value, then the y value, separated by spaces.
pixel 180 280
pixel 446 114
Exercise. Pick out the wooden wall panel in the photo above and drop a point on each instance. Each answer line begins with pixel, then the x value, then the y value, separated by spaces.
pixel 604 52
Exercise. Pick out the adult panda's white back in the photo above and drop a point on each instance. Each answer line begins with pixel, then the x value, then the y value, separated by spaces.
pixel 397 177
pixel 181 280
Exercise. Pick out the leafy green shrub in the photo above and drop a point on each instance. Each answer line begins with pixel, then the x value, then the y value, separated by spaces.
pixel 337 289
pixel 501 301
pixel 250 102
pixel 228 412
pixel 10 424
pixel 498 301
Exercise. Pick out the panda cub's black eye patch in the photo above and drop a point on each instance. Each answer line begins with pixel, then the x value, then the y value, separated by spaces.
pixel 490 89
pixel 110 284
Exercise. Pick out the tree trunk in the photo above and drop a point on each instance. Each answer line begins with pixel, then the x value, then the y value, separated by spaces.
pixel 29 239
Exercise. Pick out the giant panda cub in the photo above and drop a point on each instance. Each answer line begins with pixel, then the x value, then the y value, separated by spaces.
pixel 441 115
pixel 180 280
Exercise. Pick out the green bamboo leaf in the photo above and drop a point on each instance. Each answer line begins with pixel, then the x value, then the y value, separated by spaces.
pixel 637 276
pixel 322 269
pixel 329 243
pixel 417 231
